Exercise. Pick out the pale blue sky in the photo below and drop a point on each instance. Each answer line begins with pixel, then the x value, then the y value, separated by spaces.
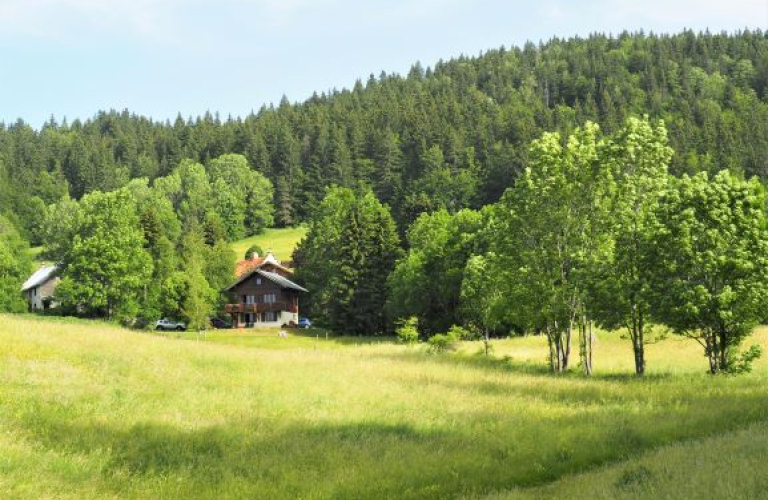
pixel 161 57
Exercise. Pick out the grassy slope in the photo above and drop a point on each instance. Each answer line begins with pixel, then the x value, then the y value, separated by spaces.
pixel 92 411
pixel 280 241
pixel 730 466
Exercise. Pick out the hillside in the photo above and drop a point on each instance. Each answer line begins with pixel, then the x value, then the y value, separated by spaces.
pixel 280 242
pixel 93 411
pixel 452 135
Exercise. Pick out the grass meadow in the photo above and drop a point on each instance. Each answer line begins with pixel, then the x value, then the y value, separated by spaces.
pixel 280 242
pixel 89 410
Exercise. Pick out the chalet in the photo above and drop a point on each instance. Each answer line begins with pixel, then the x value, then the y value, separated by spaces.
pixel 40 287
pixel 263 294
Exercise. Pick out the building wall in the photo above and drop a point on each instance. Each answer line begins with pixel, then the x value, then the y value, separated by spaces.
pixel 36 296
pixel 252 287
pixel 258 290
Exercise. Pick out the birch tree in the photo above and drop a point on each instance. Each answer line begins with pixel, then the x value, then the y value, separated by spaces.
pixel 639 156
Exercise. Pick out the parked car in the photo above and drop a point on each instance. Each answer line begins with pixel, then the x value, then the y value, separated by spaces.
pixel 304 323
pixel 166 324
pixel 220 323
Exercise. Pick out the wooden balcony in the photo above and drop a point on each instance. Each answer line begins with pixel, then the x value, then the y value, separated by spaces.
pixel 260 307
pixel 240 308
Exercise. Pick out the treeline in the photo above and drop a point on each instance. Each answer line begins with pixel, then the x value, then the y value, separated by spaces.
pixel 145 251
pixel 452 136
pixel 595 231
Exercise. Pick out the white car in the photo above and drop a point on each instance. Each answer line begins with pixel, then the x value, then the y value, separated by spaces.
pixel 166 324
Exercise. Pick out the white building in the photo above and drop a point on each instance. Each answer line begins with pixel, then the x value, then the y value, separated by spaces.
pixel 40 287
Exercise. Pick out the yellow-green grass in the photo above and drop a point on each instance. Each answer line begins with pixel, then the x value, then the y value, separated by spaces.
pixel 280 242
pixel 89 410
pixel 269 338
pixel 730 466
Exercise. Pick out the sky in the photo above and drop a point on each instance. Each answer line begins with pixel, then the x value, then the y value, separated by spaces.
pixel 161 58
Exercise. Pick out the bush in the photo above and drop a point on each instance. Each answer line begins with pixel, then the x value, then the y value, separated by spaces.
pixel 461 333
pixel 443 342
pixel 251 250
pixel 408 331
pixel 742 363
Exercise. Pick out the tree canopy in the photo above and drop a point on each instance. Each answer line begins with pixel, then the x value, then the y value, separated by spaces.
pixel 450 136
pixel 345 259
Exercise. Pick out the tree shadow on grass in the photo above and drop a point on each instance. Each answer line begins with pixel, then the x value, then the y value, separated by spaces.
pixel 257 459
pixel 509 365
pixel 262 458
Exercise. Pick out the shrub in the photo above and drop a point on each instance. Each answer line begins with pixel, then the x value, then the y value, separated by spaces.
pixel 251 250
pixel 443 342
pixel 742 363
pixel 408 331
pixel 461 333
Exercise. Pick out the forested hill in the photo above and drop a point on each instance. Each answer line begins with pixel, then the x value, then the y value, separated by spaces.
pixel 453 135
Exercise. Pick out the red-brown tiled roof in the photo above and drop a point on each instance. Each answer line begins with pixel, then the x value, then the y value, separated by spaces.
pixel 244 267
pixel 247 265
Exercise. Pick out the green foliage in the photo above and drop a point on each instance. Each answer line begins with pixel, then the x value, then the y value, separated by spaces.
pixel 408 331
pixel 442 342
pixel 15 267
pixel 218 268
pixel 427 281
pixel 549 230
pixel 460 333
pixel 345 259
pixel 243 196
pixel 619 288
pixel 743 362
pixel 481 295
pixel 454 137
pixel 61 223
pixel 106 267
pixel 253 249
pixel 709 262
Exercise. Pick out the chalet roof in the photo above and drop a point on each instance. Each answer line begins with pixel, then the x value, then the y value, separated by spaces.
pixel 273 277
pixel 246 266
pixel 281 280
pixel 39 277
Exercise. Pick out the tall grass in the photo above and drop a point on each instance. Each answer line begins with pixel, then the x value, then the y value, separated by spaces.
pixel 92 411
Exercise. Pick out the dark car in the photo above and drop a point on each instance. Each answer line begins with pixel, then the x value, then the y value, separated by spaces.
pixel 220 323
pixel 304 323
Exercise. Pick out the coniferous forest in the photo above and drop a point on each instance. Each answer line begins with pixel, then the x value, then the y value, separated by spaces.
pixel 450 136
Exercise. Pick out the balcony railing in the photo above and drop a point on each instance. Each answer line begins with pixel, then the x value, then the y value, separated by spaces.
pixel 260 307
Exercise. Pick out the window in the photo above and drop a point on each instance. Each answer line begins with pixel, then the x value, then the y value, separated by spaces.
pixel 269 298
pixel 258 281
pixel 250 299
pixel 269 316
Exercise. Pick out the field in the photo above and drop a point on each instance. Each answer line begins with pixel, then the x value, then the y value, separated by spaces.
pixel 280 241
pixel 88 410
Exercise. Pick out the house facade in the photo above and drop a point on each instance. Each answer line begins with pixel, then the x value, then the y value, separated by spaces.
pixel 263 295
pixel 39 289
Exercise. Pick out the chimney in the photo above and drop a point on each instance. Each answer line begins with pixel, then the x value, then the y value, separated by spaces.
pixel 254 255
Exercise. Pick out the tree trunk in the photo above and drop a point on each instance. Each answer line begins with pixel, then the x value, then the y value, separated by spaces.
pixel 638 342
pixel 591 339
pixel 551 348
pixel 567 352
pixel 711 350
pixel 585 344
pixel 723 349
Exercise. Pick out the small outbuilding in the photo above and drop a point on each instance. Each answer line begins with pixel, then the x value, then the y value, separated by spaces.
pixel 39 289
